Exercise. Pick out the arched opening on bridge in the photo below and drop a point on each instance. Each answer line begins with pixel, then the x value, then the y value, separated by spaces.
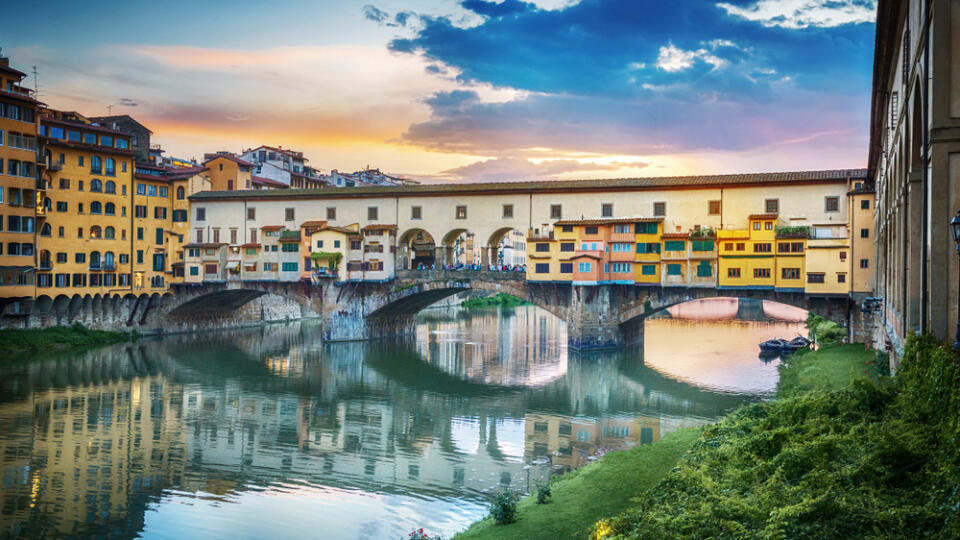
pixel 460 247
pixel 416 248
pixel 508 248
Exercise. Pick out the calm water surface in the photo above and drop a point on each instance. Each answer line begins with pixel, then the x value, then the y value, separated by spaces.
pixel 268 433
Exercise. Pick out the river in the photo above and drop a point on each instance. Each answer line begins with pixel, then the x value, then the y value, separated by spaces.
pixel 269 433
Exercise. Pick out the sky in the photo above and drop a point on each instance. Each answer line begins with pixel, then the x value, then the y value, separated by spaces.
pixel 472 90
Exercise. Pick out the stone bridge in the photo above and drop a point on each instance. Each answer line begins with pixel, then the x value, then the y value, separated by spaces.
pixel 598 316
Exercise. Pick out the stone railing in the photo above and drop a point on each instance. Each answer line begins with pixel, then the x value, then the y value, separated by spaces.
pixel 487 275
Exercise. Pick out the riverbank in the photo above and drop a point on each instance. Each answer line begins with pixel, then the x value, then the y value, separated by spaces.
pixel 683 460
pixel 14 341
pixel 497 300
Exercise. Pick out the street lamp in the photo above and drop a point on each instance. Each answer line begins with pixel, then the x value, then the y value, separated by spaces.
pixel 955 229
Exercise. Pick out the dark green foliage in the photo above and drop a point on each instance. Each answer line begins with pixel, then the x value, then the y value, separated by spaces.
pixel 499 300
pixel 57 337
pixel 825 332
pixel 793 232
pixel 543 492
pixel 503 509
pixel 876 459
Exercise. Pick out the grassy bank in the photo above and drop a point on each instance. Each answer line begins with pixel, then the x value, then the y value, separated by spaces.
pixel 582 497
pixel 14 341
pixel 844 452
pixel 497 300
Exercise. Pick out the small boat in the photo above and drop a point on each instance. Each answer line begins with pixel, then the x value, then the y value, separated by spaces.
pixel 769 356
pixel 773 345
pixel 799 342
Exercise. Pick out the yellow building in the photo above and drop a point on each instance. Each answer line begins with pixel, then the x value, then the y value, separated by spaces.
pixel 19 187
pixel 647 238
pixel 543 253
pixel 746 257
pixel 228 172
pixel 83 242
pixel 828 261
pixel 862 200
pixel 327 247
pixel 790 268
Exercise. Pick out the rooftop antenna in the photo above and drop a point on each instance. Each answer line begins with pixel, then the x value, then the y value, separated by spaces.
pixel 109 110
pixel 36 85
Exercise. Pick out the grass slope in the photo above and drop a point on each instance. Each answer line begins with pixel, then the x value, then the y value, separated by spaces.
pixel 14 341
pixel 584 496
pixel 844 452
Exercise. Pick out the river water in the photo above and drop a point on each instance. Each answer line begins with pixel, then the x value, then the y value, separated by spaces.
pixel 269 433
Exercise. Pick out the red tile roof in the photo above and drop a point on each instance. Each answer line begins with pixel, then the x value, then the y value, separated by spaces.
pixel 272 227
pixel 268 182
pixel 232 158
pixel 763 216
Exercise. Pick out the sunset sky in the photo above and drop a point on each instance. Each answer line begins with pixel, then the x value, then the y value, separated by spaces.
pixel 472 90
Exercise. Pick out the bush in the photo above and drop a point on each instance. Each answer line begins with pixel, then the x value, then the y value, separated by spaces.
pixel 504 507
pixel 877 459
pixel 825 332
pixel 543 492
pixel 420 535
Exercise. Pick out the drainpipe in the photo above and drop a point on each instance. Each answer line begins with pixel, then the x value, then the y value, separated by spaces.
pixel 924 157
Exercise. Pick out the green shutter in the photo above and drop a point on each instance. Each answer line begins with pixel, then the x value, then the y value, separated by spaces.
pixel 649 270
pixel 673 270
pixel 703 245
pixel 674 245
pixel 641 248
pixel 704 269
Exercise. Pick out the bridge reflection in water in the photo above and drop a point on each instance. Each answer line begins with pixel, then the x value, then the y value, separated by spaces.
pixel 249 433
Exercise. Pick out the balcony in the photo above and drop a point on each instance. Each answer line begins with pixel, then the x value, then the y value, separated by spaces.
pixel 109 266
pixel 95 267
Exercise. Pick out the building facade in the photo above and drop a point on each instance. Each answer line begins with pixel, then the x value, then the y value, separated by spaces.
pixel 914 165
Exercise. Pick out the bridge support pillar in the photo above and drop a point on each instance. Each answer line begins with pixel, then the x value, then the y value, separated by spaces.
pixel 593 321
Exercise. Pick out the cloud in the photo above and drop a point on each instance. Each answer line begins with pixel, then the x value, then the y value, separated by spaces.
pixel 798 14
pixel 497 9
pixel 503 169
pixel 375 14
pixel 127 102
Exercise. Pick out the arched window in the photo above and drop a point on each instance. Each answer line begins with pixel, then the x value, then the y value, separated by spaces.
pixel 110 187
pixel 110 209
pixel 95 232
pixel 96 186
pixel 108 260
pixel 180 193
pixel 45 261
pixel 96 207
pixel 95 165
pixel 108 233
pixel 94 260
pixel 111 168
pixel 46 230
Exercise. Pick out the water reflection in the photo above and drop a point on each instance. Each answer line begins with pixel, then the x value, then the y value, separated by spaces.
pixel 269 432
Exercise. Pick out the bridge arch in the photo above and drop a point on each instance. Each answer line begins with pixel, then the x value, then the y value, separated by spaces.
pixel 416 246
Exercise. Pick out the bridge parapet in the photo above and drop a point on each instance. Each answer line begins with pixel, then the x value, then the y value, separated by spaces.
pixel 486 275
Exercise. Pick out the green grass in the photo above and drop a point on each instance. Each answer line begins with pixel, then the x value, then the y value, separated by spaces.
pixel 843 452
pixel 14 341
pixel 832 368
pixel 582 497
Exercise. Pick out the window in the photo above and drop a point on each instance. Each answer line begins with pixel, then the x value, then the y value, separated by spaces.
pixel 649 227
pixel 508 211
pixel 566 268
pixel 159 212
pixel 110 187
pixel 648 247
pixel 140 211
pixel 733 273
pixel 331 213
pixel 762 247
pixel 832 204
pixel 96 186
pixel 461 212
pixel 865 204
pixel 96 207
pixel 64 183
pixel 139 233
pixel 110 168
pixel 290 266
pixel 674 245
pixel 109 233
pixel 771 206
pixel 194 270
pixel 761 272
pixel 674 270
pixel 542 247
pixel 290 247
pixel 416 212
pixel 702 245
pixel 768 225
pixel 542 268
pixel 622 268
pixel 95 165
pixel 181 193
pixel 199 235
pixel 584 267
pixel 61 206
pixel 659 209
pixel 373 213
pixel 648 270
pixel 864 233
pixel 201 214
pixel 216 235
pixel 713 208
pixel 179 216
pixel 253 235
pixel 606 209
pixel 864 263
pixel 621 229
pixel 80 258
pixel 159 262
pixel 159 236
pixel 289 214
pixel 590 230
pixel 704 269
pixel 556 211
pixel 567 246
pixel 843 256
pixel 841 278
pixel 815 278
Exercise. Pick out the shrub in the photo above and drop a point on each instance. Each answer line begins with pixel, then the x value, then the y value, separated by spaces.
pixel 825 332
pixel 504 507
pixel 420 535
pixel 543 491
